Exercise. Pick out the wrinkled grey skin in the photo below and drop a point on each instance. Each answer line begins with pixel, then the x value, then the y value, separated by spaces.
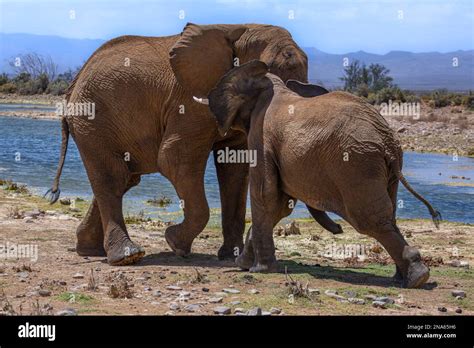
pixel 333 151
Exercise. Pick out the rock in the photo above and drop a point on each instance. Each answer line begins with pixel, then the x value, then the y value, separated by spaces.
pixel 78 276
pixel 458 310
pixel 64 217
pixel 401 130
pixel 459 263
pixel 174 287
pixel 239 310
pixel 458 293
pixel 215 299
pixel 266 313
pixel 34 214
pixel 71 249
pixel 313 291
pixel 359 301
pixel 147 288
pixel 385 299
pixel 192 308
pixel 235 303
pixel 67 312
pixel 275 310
pixel 257 311
pixel 333 294
pixel 157 293
pixel 292 228
pixel 254 291
pixel 173 306
pixel 222 310
pixel 370 297
pixel 44 293
pixel 23 275
pixel 379 304
pixel 231 291
pixel 205 289
pixel 350 293
pixel 65 201
pixel 442 309
pixel 184 294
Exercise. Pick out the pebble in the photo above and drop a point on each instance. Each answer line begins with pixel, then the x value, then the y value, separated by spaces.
pixel 257 311
pixel 379 304
pixel 356 300
pixel 350 293
pixel 254 291
pixel 23 275
pixel 235 303
pixel 275 310
pixel 71 249
pixel 385 299
pixel 215 299
pixel 333 294
pixel 184 294
pixel 313 291
pixel 157 293
pixel 192 308
pixel 44 292
pixel 205 289
pixel 221 310
pixel 67 312
pixel 239 310
pixel 458 310
pixel 442 309
pixel 231 291
pixel 458 293
pixel 370 297
pixel 174 287
pixel 78 276
pixel 173 306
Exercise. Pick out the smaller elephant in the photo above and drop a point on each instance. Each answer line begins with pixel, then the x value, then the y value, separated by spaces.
pixel 333 151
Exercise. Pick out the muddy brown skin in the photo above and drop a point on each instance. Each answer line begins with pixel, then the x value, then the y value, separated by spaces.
pixel 143 90
pixel 334 152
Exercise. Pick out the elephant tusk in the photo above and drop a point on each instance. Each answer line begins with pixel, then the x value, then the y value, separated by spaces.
pixel 203 101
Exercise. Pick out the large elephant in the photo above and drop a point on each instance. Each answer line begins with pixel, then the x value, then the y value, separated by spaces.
pixel 333 151
pixel 146 121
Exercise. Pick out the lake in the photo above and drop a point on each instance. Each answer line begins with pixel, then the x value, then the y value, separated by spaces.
pixel 37 144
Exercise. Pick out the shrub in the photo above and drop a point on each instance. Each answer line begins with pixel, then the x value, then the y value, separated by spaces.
pixel 468 101
pixel 394 94
pixel 439 99
pixel 57 87
pixel 4 79
pixel 8 88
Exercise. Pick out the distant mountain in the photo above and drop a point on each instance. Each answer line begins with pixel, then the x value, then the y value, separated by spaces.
pixel 417 71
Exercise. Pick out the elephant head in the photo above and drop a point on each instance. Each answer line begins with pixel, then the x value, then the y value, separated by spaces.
pixel 204 53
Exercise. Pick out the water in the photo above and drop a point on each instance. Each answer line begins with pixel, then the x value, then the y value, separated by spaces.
pixel 37 143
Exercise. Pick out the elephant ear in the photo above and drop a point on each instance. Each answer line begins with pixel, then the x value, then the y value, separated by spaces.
pixel 203 54
pixel 236 90
pixel 306 90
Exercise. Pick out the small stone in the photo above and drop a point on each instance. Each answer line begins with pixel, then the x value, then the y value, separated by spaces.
pixel 458 293
pixel 222 310
pixel 458 310
pixel 192 308
pixel 173 306
pixel 275 310
pixel 401 130
pixel 67 312
pixel 23 275
pixel 147 288
pixel 313 291
pixel 184 294
pixel 235 303
pixel 78 276
pixel 266 313
pixel 174 287
pixel 71 249
pixel 257 311
pixel 370 297
pixel 215 299
pixel 205 289
pixel 157 293
pixel 44 292
pixel 442 309
pixel 65 201
pixel 231 291
pixel 379 304
pixel 239 310
pixel 254 291
pixel 350 293
pixel 359 301
pixel 385 299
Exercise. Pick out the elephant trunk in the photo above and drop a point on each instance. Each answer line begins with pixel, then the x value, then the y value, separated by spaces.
pixel 55 191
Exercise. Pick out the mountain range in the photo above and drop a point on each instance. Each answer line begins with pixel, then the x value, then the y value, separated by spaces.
pixel 416 71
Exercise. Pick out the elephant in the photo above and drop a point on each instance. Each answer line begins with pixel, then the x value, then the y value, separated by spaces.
pixel 146 121
pixel 331 150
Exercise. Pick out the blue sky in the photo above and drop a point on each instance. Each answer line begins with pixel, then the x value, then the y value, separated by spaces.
pixel 335 26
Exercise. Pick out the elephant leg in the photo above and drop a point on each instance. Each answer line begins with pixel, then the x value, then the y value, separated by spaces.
pixel 377 221
pixel 247 258
pixel 90 233
pixel 233 186
pixel 325 221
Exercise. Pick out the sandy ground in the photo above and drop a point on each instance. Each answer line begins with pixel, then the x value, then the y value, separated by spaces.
pixel 317 280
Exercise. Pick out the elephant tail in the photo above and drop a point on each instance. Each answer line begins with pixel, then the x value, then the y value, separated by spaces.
pixel 435 215
pixel 54 191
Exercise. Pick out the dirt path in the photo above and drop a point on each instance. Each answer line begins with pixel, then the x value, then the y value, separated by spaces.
pixel 61 282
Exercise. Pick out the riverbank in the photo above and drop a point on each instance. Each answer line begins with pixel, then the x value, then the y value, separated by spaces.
pixel 327 274
pixel 448 130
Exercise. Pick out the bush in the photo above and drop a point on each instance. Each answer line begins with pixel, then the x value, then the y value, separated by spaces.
pixel 439 99
pixel 386 94
pixel 3 79
pixel 8 88
pixel 468 102
pixel 58 87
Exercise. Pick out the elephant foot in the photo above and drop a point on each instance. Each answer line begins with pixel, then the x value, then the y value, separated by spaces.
pixel 417 273
pixel 126 253
pixel 90 251
pixel 244 261
pixel 176 243
pixel 270 267
pixel 229 253
pixel 90 242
